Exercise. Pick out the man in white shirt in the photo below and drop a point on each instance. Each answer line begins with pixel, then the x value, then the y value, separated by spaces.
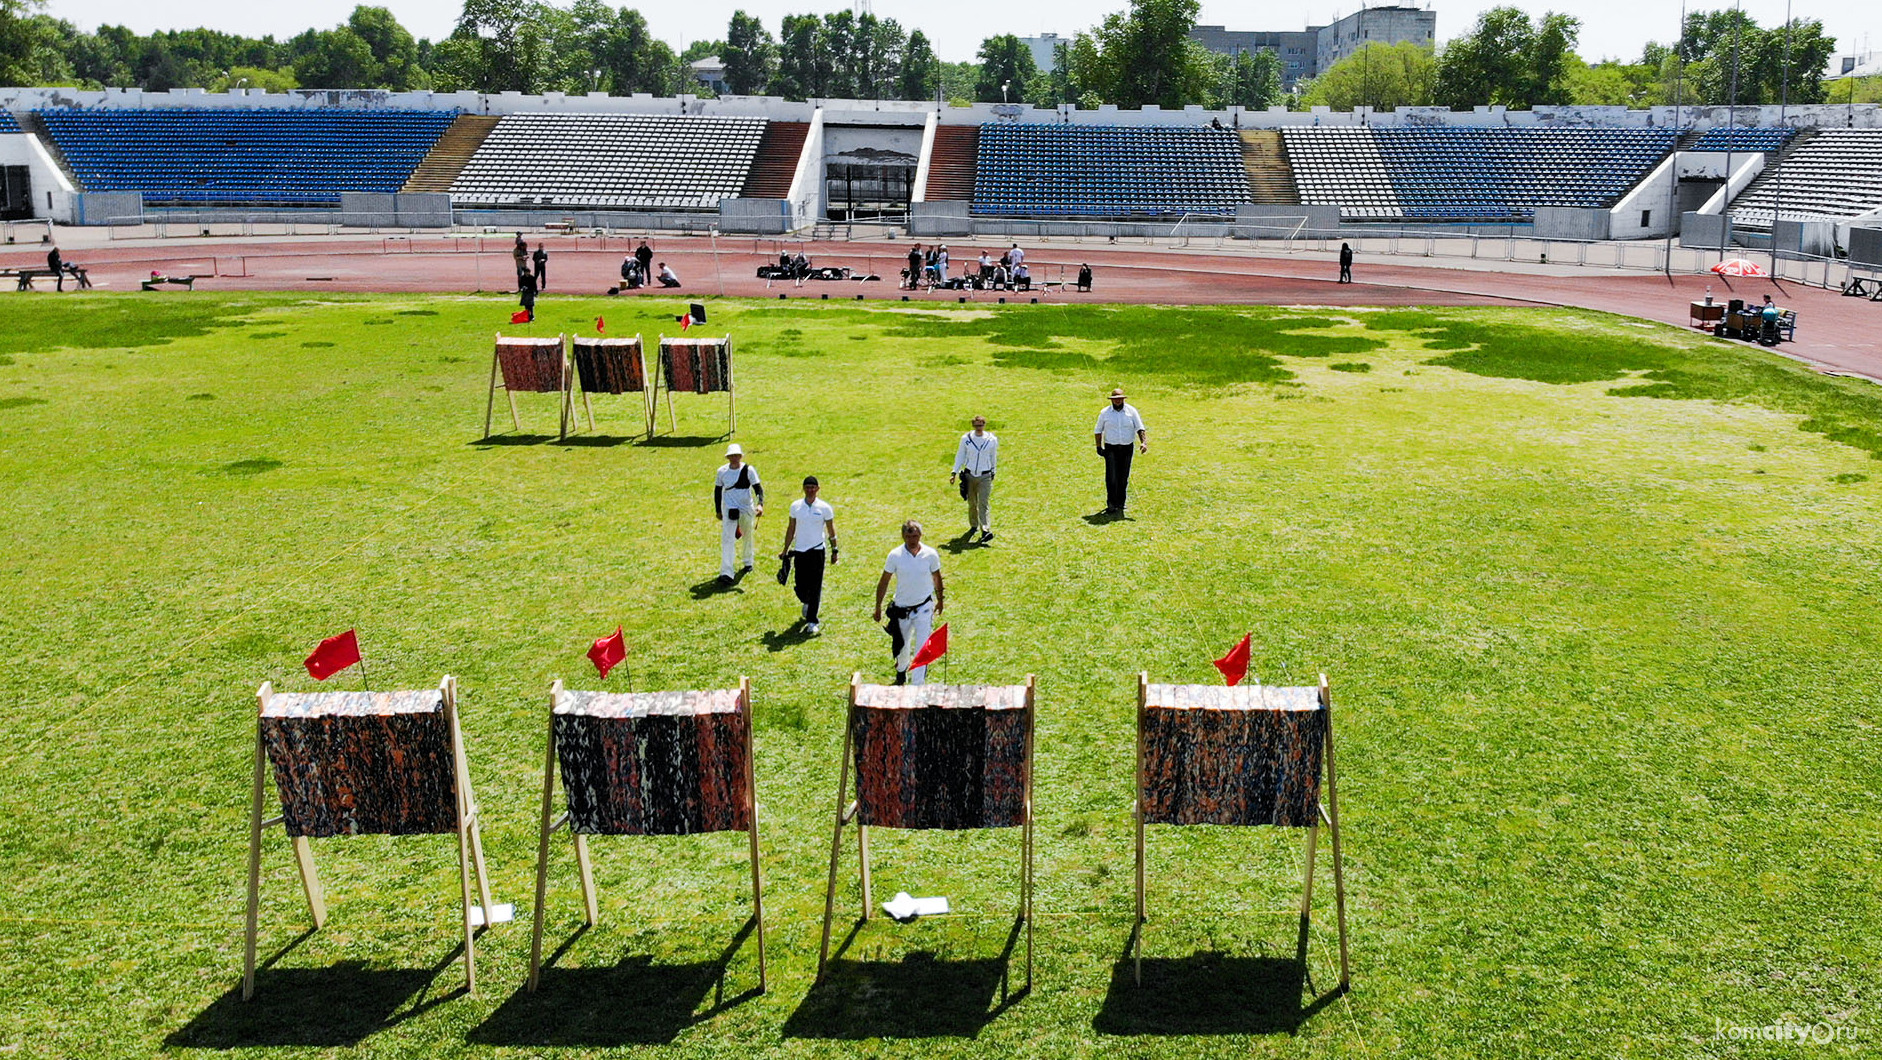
pixel 812 526
pixel 738 499
pixel 1118 427
pixel 667 276
pixel 974 463
pixel 919 597
pixel 1015 257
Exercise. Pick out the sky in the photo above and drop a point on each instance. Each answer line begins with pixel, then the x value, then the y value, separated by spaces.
pixel 1610 28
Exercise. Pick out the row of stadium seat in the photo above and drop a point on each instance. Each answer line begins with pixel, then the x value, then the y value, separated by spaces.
pixel 180 156
pixel 1829 174
pixel 617 161
pixel 1107 171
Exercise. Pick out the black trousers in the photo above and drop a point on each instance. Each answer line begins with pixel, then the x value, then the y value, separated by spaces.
pixel 1346 272
pixel 1117 474
pixel 809 567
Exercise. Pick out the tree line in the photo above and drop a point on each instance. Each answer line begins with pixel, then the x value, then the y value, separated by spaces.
pixel 1139 56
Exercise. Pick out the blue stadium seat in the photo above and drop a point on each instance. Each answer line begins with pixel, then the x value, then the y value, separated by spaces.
pixel 227 157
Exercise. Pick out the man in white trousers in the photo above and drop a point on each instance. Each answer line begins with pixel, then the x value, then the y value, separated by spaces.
pixel 919 598
pixel 975 461
pixel 738 499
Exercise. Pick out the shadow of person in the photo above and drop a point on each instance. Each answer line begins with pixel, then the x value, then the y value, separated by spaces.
pixel 1108 515
pixel 631 1002
pixel 333 1007
pixel 964 543
pixel 780 639
pixel 918 996
pixel 712 587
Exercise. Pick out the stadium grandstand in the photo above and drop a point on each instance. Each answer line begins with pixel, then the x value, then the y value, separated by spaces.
pixel 760 165
pixel 191 157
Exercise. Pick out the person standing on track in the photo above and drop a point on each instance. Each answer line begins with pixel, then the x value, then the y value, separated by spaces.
pixel 1118 427
pixel 1346 263
pixel 644 255
pixel 541 260
pixel 520 252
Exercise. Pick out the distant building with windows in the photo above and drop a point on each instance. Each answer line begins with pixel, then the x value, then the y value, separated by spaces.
pixel 1307 53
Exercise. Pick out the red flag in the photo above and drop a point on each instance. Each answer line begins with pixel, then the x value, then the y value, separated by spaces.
pixel 685 322
pixel 600 325
pixel 1234 665
pixel 521 316
pixel 936 647
pixel 608 652
pixel 333 655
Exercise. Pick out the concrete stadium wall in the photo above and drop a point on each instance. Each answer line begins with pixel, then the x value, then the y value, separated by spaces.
pixel 1704 231
pixel 1865 247
pixel 372 209
pixel 509 220
pixel 104 208
pixel 758 217
pixel 1814 238
pixel 903 112
pixel 1571 222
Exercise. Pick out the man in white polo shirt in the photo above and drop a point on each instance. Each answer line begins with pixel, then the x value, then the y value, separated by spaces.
pixel 974 463
pixel 738 499
pixel 812 526
pixel 1120 430
pixel 919 597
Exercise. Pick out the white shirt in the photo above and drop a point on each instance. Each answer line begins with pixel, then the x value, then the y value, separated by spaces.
pixel 914 574
pixel 666 273
pixel 1015 256
pixel 1119 426
pixel 978 453
pixel 986 260
pixel 730 497
pixel 810 523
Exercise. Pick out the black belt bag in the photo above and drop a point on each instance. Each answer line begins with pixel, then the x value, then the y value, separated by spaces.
pixel 731 513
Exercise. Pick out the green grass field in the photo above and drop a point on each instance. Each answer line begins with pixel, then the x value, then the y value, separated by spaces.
pixel 1597 600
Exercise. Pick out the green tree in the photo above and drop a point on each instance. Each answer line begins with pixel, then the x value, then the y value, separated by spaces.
pixel 254 77
pixel 797 58
pixel 750 55
pixel 498 46
pixel 921 71
pixel 394 52
pixel 1378 75
pixel 1252 79
pixel 335 58
pixel 1006 67
pixel 1508 60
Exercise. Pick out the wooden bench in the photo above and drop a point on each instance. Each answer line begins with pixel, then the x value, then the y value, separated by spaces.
pixel 28 275
pixel 1869 287
pixel 186 282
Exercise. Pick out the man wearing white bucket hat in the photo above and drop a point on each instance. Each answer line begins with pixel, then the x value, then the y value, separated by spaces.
pixel 1119 426
pixel 738 499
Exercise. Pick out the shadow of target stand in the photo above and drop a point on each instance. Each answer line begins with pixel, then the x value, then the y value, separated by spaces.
pixel 935 757
pixel 365 763
pixel 1248 756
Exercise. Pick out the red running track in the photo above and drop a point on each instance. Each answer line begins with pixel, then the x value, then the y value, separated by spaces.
pixel 1834 333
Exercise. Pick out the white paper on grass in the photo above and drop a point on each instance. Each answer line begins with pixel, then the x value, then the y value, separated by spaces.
pixel 905 907
pixel 500 913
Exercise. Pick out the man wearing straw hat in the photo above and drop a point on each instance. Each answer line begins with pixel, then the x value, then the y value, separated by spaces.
pixel 738 498
pixel 1119 427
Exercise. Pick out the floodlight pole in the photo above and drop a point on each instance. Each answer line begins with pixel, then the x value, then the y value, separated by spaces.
pixel 1783 122
pixel 1672 189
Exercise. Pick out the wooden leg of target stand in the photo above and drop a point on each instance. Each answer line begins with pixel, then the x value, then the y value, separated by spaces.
pixel 490 406
pixel 842 817
pixel 542 845
pixel 1137 812
pixel 1332 812
pixel 254 866
pixel 310 880
pixel 1306 894
pixel 751 809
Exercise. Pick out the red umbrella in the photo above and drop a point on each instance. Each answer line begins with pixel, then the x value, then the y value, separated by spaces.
pixel 1738 267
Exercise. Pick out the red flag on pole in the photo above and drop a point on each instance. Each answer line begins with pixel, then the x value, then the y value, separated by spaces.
pixel 936 647
pixel 521 316
pixel 333 655
pixel 608 652
pixel 686 322
pixel 600 325
pixel 1234 665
